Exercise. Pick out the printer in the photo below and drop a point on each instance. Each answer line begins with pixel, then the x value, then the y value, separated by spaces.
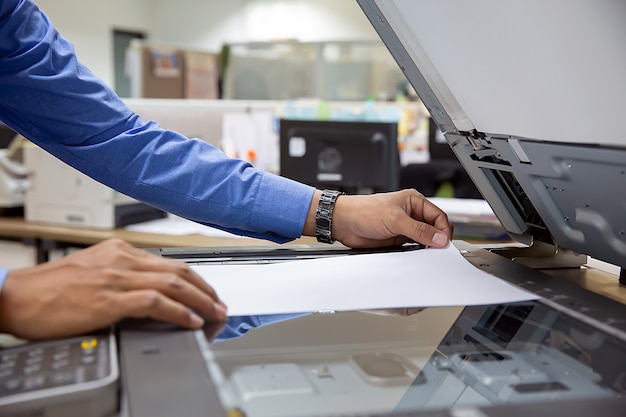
pixel 530 97
pixel 13 175
pixel 58 194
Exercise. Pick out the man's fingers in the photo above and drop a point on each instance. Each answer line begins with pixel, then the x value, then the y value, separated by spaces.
pixel 144 261
pixel 153 304
pixel 422 208
pixel 183 270
pixel 172 286
pixel 435 228
pixel 149 262
pixel 138 269
pixel 421 232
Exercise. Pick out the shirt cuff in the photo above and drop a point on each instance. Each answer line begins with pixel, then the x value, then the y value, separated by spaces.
pixel 281 207
pixel 3 276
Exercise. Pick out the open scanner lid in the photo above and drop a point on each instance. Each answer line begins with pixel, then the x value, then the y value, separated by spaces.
pixel 531 97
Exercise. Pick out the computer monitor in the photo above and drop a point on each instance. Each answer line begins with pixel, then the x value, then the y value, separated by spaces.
pixel 438 147
pixel 6 136
pixel 354 157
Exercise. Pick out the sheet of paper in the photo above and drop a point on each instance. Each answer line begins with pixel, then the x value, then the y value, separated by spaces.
pixel 420 278
pixel 464 206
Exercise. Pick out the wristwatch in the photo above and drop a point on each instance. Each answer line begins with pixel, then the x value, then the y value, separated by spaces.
pixel 324 215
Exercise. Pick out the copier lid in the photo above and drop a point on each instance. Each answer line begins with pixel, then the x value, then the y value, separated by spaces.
pixel 552 70
pixel 531 98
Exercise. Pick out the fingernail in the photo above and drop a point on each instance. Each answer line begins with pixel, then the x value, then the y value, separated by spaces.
pixel 220 309
pixel 196 321
pixel 440 240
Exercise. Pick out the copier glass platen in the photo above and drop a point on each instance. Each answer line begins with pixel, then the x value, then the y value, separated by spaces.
pixel 527 358
pixel 367 364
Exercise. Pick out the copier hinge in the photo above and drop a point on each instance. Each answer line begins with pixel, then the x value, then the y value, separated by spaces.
pixel 480 143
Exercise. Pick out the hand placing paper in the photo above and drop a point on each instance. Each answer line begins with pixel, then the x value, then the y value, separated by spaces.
pixel 417 278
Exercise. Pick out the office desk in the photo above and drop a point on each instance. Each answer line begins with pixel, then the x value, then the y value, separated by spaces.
pixel 49 237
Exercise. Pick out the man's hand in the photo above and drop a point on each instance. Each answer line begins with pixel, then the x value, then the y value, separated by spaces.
pixel 385 219
pixel 100 285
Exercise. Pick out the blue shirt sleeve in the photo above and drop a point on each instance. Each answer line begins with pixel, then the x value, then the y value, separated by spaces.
pixel 240 325
pixel 48 96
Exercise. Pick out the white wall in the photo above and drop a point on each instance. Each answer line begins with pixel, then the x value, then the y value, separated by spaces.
pixel 307 20
pixel 211 23
pixel 89 25
pixel 204 24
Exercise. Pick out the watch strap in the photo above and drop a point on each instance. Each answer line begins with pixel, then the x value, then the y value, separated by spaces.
pixel 324 215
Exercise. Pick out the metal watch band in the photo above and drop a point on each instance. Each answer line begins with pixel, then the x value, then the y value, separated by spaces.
pixel 324 215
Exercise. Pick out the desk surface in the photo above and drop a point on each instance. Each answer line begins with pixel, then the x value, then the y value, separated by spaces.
pixel 16 227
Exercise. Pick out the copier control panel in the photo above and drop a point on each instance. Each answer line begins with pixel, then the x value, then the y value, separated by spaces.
pixel 60 377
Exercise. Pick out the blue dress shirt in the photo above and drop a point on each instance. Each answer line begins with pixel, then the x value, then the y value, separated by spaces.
pixel 49 97
pixel 240 325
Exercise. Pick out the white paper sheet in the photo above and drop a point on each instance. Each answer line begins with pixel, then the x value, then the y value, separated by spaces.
pixel 464 206
pixel 420 278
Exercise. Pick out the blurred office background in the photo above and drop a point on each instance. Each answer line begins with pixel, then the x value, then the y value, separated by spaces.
pixel 291 58
pixel 207 25
pixel 229 71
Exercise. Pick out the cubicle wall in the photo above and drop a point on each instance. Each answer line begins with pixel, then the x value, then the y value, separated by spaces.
pixel 331 70
pixel 242 126
pixel 196 118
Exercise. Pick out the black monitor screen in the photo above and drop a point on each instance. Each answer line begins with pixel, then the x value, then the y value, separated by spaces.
pixel 437 145
pixel 6 136
pixel 354 157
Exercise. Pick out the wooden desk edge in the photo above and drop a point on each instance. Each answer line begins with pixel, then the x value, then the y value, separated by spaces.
pixel 19 228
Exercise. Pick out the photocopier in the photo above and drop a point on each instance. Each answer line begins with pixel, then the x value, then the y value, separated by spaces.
pixel 531 97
